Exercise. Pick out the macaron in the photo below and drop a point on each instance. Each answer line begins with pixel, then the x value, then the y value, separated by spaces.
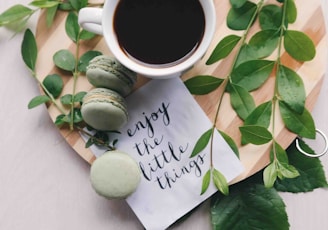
pixel 114 175
pixel 106 72
pixel 104 109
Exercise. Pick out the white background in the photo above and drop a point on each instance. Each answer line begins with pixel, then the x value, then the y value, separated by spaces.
pixel 45 185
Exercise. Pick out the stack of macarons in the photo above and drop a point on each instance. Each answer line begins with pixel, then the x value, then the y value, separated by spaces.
pixel 115 174
pixel 104 107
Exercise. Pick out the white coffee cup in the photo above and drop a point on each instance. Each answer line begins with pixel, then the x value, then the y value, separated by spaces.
pixel 100 21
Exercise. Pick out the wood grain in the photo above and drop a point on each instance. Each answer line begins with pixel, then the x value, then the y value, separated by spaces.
pixel 254 158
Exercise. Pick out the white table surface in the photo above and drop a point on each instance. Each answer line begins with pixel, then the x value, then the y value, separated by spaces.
pixel 44 184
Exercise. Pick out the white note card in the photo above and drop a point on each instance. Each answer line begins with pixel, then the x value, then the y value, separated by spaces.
pixel 165 124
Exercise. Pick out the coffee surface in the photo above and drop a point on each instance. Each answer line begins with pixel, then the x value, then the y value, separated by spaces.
pixel 159 31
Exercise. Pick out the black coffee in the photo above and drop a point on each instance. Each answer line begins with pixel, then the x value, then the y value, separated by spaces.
pixel 159 31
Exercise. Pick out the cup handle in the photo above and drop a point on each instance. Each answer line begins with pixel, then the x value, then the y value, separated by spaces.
pixel 90 19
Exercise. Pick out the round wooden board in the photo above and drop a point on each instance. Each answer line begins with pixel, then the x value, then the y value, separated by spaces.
pixel 254 158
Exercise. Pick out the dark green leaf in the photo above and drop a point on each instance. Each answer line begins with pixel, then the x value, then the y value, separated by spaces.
pixel 241 101
pixel 77 115
pixel 44 4
pixel 261 115
pixel 206 181
pixel 223 48
pixel 86 35
pixel 202 142
pixel 230 142
pixel 29 50
pixel 312 174
pixel 237 3
pixel 220 182
pixel 78 4
pixel 264 42
pixel 255 134
pixel 60 120
pixel 65 60
pixel 79 96
pixel 203 84
pixel 38 100
pixel 252 74
pixel 240 18
pixel 72 27
pixel 299 45
pixel 291 11
pixel 249 207
pixel 86 58
pixel 247 53
pixel 270 174
pixel 50 16
pixel 65 6
pixel 66 99
pixel 291 88
pixel 270 17
pixel 54 84
pixel 14 14
pixel 301 124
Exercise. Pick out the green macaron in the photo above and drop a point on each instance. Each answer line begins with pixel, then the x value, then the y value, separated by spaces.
pixel 104 109
pixel 115 175
pixel 106 72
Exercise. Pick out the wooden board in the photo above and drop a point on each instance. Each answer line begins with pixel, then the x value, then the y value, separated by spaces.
pixel 254 158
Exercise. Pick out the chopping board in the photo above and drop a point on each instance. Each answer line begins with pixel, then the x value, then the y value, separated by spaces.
pixel 310 20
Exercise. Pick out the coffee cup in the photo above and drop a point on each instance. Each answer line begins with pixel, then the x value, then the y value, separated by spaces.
pixel 172 54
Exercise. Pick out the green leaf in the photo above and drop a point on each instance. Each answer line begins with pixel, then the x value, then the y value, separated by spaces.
pixel 72 27
pixel 29 50
pixel 237 3
pixel 287 171
pixel 86 35
pixel 291 11
pixel 14 14
pixel 38 100
pixel 79 96
pixel 64 60
pixel 86 58
pixel 279 153
pixel 270 174
pixel 78 4
pixel 65 6
pixel 247 53
pixel 270 17
pixel 223 48
pixel 50 15
pixel 60 120
pixel 77 115
pixel 261 115
pixel 301 124
pixel 255 134
pixel 44 3
pixel 252 74
pixel 202 142
pixel 66 99
pixel 312 174
pixel 291 88
pixel 54 84
pixel 220 182
pixel 264 42
pixel 206 181
pixel 240 18
pixel 249 206
pixel 299 45
pixel 230 142
pixel 203 84
pixel 241 101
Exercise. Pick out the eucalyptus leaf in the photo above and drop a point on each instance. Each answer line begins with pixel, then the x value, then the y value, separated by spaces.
pixel 29 50
pixel 240 18
pixel 299 45
pixel 38 100
pixel 291 88
pixel 223 48
pixel 50 15
pixel 14 14
pixel 230 142
pixel 301 124
pixel 220 182
pixel 270 175
pixel 206 181
pixel 44 3
pixel 252 74
pixel 203 84
pixel 241 101
pixel 264 42
pixel 202 142
pixel 72 27
pixel 86 58
pixel 270 17
pixel 237 3
pixel 261 115
pixel 249 206
pixel 312 174
pixel 291 11
pixel 54 84
pixel 64 60
pixel 255 134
